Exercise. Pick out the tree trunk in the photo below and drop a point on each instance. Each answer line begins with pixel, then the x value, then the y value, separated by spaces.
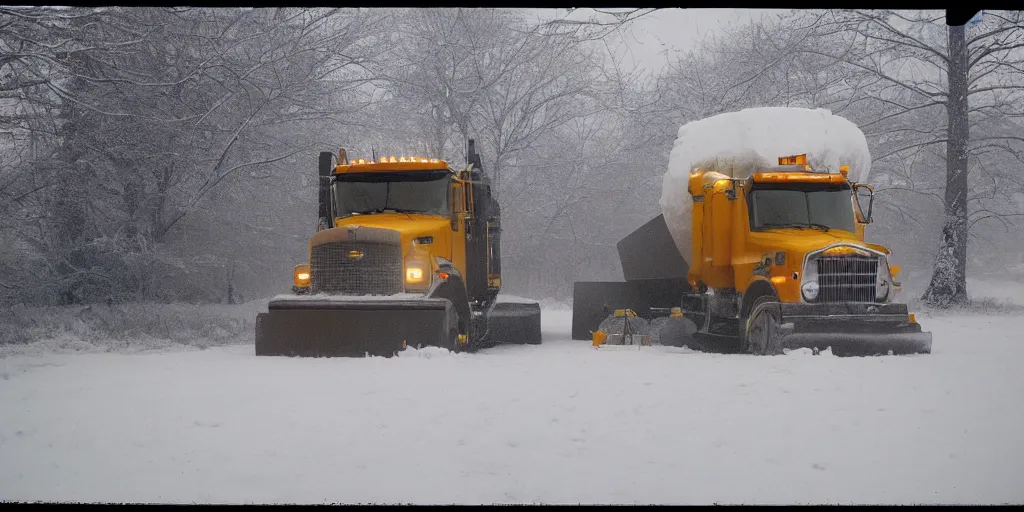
pixel 949 278
pixel 231 284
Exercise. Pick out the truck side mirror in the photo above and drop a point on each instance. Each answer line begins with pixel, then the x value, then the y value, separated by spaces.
pixel 326 169
pixel 862 193
pixel 326 164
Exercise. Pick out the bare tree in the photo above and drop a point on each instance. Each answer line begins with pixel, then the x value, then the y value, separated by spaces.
pixel 916 63
pixel 887 72
pixel 594 23
pixel 159 108
pixel 442 65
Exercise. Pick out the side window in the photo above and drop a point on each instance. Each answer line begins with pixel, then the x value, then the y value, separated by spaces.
pixel 457 198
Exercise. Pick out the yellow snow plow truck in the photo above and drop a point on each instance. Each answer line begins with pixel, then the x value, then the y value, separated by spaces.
pixel 778 261
pixel 406 254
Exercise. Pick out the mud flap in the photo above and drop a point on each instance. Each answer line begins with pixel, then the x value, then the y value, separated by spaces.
pixel 852 329
pixel 514 322
pixel 352 328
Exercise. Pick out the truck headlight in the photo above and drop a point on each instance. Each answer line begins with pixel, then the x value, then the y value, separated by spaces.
pixel 417 278
pixel 882 290
pixel 881 287
pixel 810 289
pixel 417 269
pixel 300 276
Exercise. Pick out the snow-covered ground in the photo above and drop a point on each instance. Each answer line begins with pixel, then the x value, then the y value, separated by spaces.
pixel 555 423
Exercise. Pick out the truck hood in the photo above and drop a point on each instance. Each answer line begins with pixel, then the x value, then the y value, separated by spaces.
pixel 408 224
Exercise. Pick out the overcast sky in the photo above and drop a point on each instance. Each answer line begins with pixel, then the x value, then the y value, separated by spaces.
pixel 650 37
pixel 647 41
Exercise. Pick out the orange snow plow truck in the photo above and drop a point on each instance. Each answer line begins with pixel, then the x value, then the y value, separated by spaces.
pixel 778 261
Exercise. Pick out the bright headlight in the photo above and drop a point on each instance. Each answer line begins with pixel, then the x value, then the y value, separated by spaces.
pixel 418 274
pixel 300 276
pixel 417 278
pixel 414 274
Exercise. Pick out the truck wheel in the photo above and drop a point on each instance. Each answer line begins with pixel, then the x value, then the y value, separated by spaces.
pixel 762 329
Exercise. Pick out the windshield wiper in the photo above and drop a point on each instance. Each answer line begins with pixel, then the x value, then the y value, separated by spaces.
pixel 798 226
pixel 387 209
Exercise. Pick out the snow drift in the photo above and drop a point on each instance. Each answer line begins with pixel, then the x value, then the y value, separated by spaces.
pixel 737 143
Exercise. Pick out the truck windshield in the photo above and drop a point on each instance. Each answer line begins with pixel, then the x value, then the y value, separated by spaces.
pixel 402 192
pixel 789 207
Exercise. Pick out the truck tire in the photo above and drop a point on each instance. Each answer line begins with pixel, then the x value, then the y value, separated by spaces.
pixel 761 329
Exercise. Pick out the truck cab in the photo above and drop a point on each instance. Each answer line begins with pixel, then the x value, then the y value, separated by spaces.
pixel 443 222
pixel 767 234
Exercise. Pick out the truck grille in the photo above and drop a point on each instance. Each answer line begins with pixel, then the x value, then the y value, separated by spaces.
pixel 377 272
pixel 846 278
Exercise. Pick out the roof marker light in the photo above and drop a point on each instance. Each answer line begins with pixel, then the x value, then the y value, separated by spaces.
pixel 800 159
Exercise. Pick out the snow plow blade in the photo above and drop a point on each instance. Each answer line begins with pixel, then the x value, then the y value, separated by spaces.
pixel 853 329
pixel 334 327
pixel 514 322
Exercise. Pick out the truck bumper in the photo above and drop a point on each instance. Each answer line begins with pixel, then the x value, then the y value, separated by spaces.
pixel 853 329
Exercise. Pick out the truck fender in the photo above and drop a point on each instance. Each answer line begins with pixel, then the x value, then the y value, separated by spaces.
pixel 757 288
pixel 454 289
